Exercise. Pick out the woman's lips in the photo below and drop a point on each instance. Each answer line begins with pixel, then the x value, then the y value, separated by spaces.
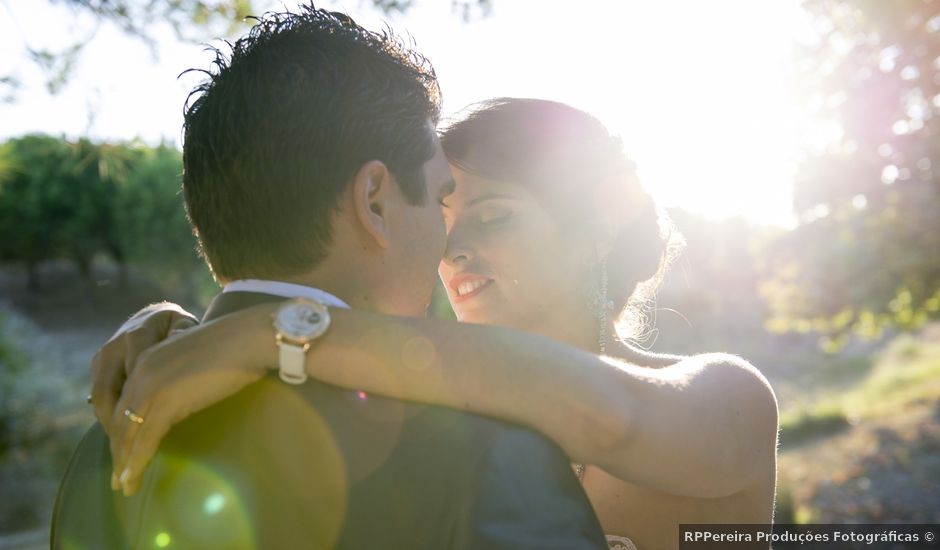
pixel 466 286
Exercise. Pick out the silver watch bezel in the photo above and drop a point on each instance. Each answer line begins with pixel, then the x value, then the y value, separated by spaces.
pixel 297 330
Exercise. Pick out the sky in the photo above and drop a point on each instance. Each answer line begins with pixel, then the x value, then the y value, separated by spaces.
pixel 699 91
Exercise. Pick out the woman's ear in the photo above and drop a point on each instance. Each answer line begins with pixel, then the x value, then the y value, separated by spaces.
pixel 603 233
pixel 617 202
pixel 371 190
pixel 592 247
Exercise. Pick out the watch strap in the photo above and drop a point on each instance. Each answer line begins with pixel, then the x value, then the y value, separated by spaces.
pixel 291 366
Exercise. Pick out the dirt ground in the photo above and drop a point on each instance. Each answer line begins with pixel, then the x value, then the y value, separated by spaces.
pixel 58 329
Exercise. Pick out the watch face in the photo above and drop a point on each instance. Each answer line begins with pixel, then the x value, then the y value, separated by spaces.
pixel 302 320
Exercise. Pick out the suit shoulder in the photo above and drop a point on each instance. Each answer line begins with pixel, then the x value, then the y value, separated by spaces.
pixel 462 425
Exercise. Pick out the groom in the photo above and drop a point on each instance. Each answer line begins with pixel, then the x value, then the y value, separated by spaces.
pixel 311 169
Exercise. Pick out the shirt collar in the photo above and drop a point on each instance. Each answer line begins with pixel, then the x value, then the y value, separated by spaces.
pixel 285 290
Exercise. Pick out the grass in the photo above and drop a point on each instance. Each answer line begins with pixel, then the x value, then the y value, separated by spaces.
pixel 907 371
pixel 874 437
pixel 804 423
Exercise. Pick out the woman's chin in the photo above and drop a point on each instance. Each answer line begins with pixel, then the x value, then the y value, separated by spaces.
pixel 489 317
pixel 471 317
pixel 486 308
pixel 476 315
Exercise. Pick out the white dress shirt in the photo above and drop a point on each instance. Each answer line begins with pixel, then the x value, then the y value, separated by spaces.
pixel 285 290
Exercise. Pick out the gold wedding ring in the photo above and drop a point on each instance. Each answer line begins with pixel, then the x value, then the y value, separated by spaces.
pixel 133 417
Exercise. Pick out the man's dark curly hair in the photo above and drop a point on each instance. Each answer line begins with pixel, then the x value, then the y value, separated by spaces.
pixel 275 134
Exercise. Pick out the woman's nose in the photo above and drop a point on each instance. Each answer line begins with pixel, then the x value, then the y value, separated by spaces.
pixel 457 252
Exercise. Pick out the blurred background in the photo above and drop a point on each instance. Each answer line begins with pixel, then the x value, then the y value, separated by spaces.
pixel 792 143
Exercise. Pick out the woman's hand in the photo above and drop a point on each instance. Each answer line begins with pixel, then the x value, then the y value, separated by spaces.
pixel 185 373
pixel 114 362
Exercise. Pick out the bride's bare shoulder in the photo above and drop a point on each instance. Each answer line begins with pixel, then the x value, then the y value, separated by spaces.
pixel 643 358
pixel 655 360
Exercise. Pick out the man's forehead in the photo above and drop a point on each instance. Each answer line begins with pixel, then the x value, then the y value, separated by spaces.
pixel 437 170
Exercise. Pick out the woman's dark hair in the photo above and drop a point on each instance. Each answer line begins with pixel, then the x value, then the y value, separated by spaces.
pixel 573 163
pixel 275 134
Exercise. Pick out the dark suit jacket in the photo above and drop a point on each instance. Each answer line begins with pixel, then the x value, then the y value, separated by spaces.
pixel 317 466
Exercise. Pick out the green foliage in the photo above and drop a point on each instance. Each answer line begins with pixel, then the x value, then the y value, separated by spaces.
pixel 79 200
pixel 8 87
pixel 196 20
pixel 34 202
pixel 801 425
pixel 865 256
pixel 58 198
pixel 136 17
pixel 440 306
pixel 857 271
pixel 784 504
pixel 153 232
pixel 906 372
pixel 96 175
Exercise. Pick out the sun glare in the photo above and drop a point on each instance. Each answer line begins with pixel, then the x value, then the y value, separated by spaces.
pixel 705 108
pixel 698 90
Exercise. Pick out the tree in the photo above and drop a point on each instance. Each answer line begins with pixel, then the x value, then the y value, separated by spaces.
pixel 32 213
pixel 95 178
pixel 57 200
pixel 865 255
pixel 191 20
pixel 79 200
pixel 152 231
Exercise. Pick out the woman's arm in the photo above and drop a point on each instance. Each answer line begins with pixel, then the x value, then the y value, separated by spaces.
pixel 704 427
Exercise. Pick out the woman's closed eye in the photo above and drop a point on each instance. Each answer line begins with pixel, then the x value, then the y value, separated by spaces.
pixel 492 217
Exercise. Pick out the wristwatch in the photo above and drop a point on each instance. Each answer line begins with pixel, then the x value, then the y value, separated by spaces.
pixel 297 323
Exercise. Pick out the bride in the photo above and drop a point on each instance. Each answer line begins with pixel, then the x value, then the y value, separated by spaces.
pixel 549 232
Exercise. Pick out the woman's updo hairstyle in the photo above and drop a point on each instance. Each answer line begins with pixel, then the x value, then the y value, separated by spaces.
pixel 572 163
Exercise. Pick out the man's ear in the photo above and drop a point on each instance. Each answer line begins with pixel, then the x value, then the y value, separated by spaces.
pixel 371 188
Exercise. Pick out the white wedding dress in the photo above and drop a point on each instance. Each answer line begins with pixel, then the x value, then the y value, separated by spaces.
pixel 615 542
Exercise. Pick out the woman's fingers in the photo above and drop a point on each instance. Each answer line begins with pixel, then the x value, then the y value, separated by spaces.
pixel 168 382
pixel 123 427
pixel 115 436
pixel 107 379
pixel 152 330
pixel 139 340
pixel 142 446
pixel 181 324
pixel 117 358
